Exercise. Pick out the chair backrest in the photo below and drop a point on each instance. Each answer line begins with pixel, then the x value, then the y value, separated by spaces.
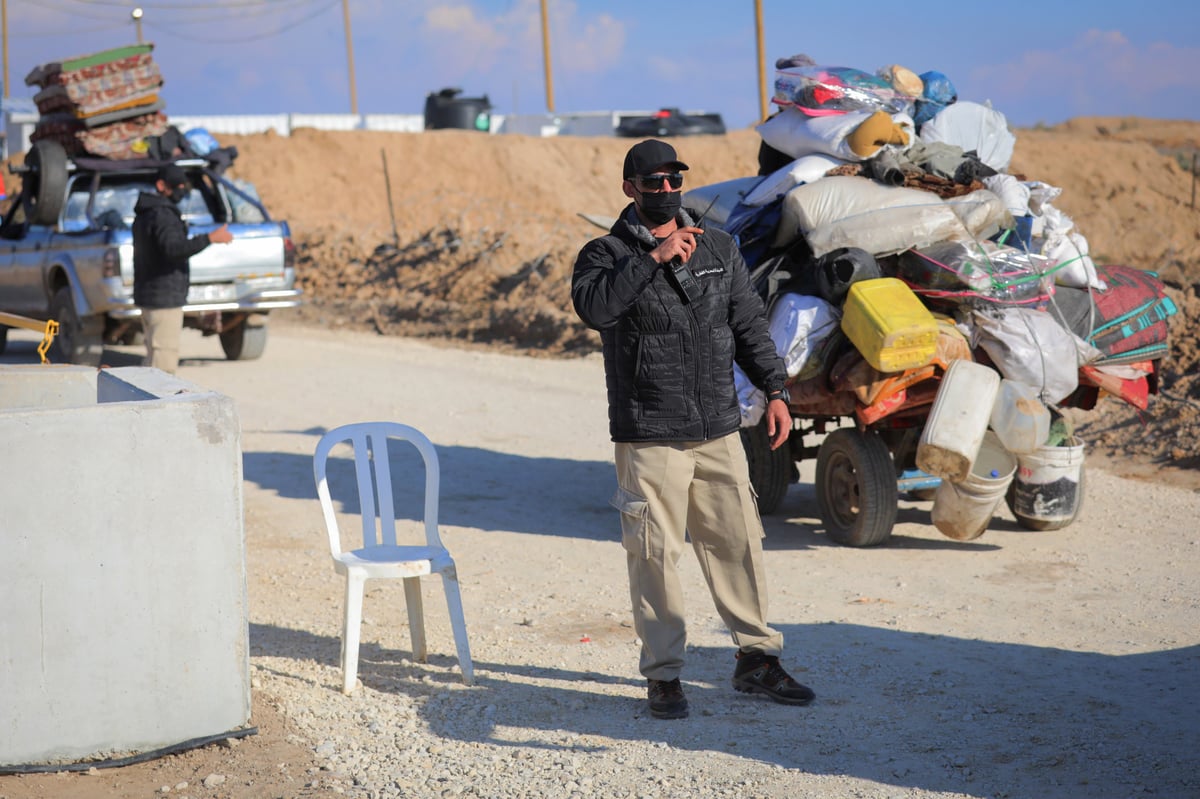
pixel 369 442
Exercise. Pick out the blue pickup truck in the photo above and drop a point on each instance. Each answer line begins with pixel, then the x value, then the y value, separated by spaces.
pixel 66 253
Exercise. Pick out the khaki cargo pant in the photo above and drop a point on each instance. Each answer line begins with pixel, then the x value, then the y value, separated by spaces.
pixel 704 488
pixel 162 327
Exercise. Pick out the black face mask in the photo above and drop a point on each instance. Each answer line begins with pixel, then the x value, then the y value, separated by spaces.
pixel 660 207
pixel 178 194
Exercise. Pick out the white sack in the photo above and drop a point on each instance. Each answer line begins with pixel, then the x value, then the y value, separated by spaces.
pixel 796 134
pixel 1030 346
pixel 973 126
pixel 982 213
pixel 798 324
pixel 751 401
pixel 1071 263
pixel 1062 244
pixel 805 169
pixel 845 211
pixel 1011 191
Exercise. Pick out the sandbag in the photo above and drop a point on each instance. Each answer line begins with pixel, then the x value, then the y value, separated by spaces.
pixel 844 211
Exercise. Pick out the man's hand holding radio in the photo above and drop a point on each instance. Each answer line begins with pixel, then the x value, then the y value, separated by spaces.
pixel 680 244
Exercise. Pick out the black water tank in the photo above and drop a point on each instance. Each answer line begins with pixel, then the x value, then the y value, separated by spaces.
pixel 445 109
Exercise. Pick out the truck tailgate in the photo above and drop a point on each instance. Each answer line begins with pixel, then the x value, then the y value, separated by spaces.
pixel 256 251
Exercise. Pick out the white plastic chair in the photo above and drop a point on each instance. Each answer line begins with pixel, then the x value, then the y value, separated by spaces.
pixel 381 556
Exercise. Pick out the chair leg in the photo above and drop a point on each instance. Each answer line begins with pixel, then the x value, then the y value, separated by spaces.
pixel 416 618
pixel 351 630
pixel 458 623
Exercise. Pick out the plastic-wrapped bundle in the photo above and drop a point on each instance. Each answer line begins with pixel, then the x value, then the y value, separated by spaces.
pixel 821 91
pixel 968 270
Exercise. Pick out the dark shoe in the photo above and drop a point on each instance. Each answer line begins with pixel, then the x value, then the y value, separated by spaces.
pixel 757 673
pixel 666 699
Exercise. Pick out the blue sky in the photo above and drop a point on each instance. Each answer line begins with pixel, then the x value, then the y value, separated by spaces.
pixel 1036 62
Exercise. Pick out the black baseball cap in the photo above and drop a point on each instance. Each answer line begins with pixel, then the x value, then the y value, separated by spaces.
pixel 646 156
pixel 173 175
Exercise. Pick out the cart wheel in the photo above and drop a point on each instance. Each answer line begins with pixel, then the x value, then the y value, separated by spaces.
pixel 770 470
pixel 856 488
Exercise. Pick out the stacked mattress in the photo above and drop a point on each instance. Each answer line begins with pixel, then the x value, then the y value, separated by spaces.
pixel 105 104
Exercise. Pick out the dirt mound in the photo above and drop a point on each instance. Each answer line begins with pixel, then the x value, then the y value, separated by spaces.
pixel 472 237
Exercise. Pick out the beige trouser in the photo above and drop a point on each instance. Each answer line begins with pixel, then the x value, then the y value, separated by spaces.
pixel 163 328
pixel 703 488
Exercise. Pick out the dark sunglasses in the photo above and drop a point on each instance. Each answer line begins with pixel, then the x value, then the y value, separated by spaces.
pixel 655 182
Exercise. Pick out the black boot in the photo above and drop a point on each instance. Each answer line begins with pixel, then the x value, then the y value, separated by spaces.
pixel 757 673
pixel 666 699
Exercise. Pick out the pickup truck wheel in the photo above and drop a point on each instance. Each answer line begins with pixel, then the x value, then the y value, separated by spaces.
pixel 77 341
pixel 48 176
pixel 770 470
pixel 245 342
pixel 856 488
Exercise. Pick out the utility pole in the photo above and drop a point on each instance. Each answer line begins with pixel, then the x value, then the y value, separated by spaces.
pixel 137 20
pixel 762 60
pixel 546 52
pixel 350 57
pixel 4 34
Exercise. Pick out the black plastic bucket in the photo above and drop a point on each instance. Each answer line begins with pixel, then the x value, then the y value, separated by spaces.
pixel 445 109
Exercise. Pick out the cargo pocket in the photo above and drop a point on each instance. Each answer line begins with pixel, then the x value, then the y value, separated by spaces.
pixel 635 521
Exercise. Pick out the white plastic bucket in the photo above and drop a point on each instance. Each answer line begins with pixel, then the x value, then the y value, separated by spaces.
pixel 963 510
pixel 957 420
pixel 1047 489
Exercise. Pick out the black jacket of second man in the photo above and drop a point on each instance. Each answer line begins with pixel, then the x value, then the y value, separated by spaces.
pixel 161 249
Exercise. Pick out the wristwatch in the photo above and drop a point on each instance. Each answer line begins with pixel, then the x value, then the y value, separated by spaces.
pixel 780 394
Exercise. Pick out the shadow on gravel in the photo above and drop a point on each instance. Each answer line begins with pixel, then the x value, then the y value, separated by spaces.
pixel 914 710
pixel 490 490
pixel 796 525
pixel 480 488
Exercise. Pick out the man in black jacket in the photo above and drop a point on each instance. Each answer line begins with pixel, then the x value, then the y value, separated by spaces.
pixel 675 310
pixel 161 275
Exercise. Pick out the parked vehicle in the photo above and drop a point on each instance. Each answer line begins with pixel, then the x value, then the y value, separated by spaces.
pixel 670 122
pixel 66 253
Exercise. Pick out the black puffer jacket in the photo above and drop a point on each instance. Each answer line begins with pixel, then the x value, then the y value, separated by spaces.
pixel 669 364
pixel 161 249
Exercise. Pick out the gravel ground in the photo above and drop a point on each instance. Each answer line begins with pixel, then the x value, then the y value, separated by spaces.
pixel 1022 664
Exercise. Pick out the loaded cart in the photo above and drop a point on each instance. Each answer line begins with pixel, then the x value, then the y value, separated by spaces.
pixel 935 313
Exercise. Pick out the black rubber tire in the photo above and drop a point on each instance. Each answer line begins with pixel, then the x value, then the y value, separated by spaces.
pixel 856 488
pixel 78 341
pixel 3 339
pixel 770 470
pixel 244 342
pixel 47 181
pixel 1042 525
